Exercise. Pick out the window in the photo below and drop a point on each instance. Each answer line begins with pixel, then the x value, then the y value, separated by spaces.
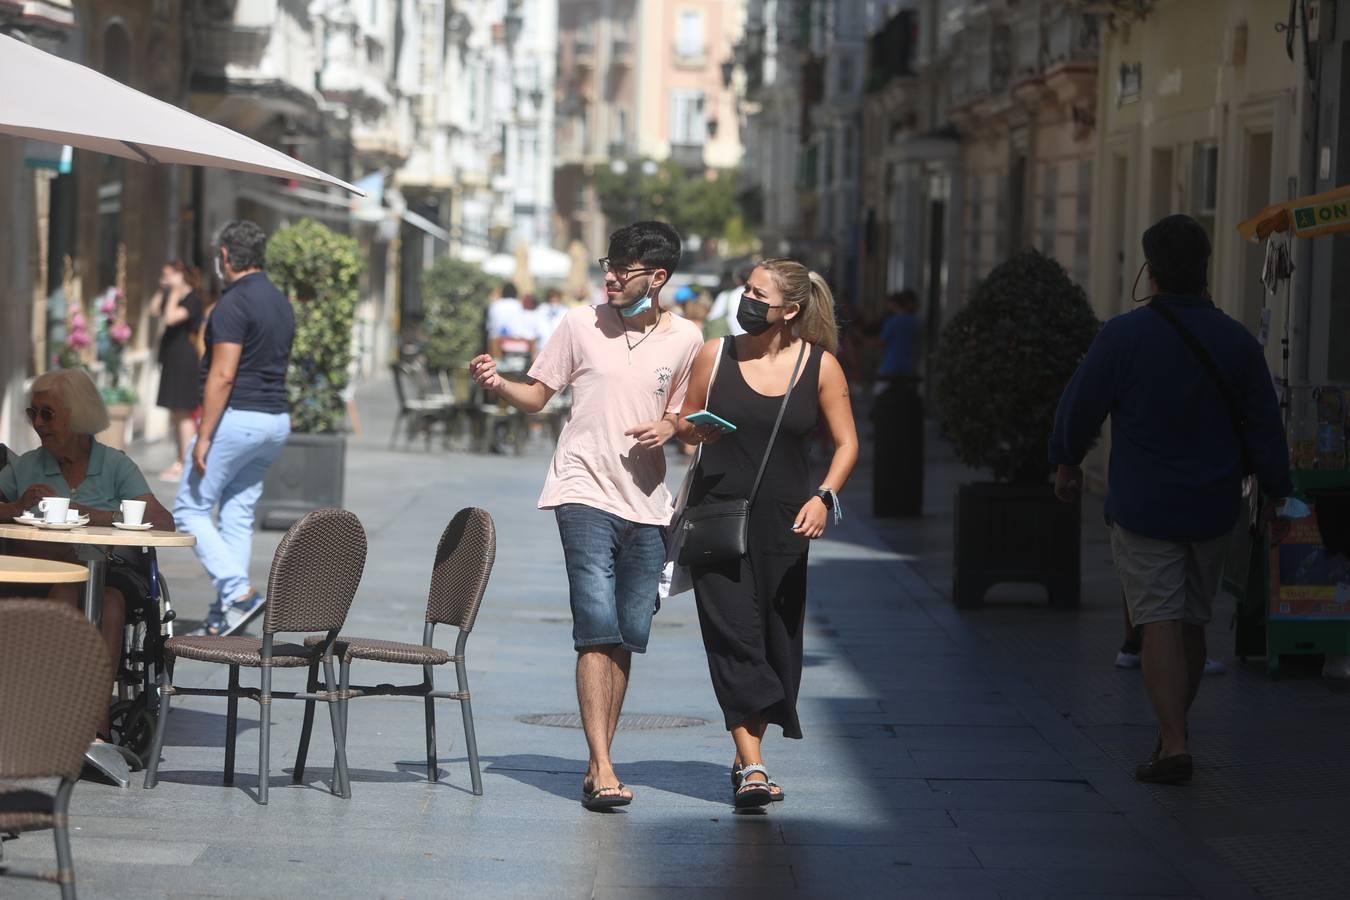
pixel 1205 185
pixel 689 35
pixel 687 124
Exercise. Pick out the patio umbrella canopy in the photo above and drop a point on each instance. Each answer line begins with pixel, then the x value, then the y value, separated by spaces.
pixel 1318 214
pixel 52 99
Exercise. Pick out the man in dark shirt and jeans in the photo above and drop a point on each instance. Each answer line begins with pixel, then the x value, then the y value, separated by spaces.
pixel 1191 415
pixel 245 423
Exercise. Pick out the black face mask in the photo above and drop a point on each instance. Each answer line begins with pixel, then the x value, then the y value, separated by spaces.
pixel 753 315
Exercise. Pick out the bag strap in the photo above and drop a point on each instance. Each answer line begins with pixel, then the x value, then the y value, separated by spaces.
pixel 773 436
pixel 1207 363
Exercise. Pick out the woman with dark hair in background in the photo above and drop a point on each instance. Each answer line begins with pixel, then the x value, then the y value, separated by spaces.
pixel 178 304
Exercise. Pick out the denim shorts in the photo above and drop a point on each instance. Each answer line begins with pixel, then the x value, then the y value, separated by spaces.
pixel 613 572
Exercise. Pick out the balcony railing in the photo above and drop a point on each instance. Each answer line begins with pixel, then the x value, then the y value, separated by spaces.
pixel 689 156
pixel 621 53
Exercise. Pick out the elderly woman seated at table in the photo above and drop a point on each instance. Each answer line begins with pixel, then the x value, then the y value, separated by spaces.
pixel 66 411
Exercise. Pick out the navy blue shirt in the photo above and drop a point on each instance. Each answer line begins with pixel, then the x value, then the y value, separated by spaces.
pixel 258 317
pixel 899 341
pixel 1176 463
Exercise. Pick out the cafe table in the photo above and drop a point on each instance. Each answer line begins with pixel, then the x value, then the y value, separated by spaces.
pixel 91 543
pixel 22 570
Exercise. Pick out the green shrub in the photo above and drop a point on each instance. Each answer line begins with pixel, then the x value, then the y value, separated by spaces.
pixel 455 297
pixel 320 271
pixel 1003 362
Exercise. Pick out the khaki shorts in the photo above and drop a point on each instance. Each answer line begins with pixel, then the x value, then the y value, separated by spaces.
pixel 1166 581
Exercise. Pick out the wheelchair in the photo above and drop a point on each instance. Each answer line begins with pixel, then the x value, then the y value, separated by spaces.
pixel 149 623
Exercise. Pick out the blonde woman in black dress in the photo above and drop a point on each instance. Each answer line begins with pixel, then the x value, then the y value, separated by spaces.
pixel 752 610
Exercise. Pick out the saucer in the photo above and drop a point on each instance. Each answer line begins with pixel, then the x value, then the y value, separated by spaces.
pixel 60 526
pixel 144 526
pixel 26 519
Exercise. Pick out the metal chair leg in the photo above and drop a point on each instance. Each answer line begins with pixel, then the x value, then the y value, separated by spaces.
pixel 264 732
pixel 337 715
pixel 433 770
pixel 65 863
pixel 157 746
pixel 302 752
pixel 470 739
pixel 231 724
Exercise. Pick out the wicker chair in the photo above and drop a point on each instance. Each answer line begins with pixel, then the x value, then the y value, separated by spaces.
pixel 314 577
pixel 464 559
pixel 54 677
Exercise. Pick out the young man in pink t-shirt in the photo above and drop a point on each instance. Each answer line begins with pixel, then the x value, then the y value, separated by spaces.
pixel 628 362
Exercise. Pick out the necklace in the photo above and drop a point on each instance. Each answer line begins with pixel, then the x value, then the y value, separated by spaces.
pixel 632 346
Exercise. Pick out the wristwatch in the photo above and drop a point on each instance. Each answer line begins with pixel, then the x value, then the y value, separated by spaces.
pixel 827 497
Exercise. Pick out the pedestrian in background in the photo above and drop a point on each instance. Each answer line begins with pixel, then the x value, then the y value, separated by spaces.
pixel 752 610
pixel 548 316
pixel 1193 412
pixel 245 423
pixel 900 333
pixel 178 305
pixel 722 320
pixel 627 362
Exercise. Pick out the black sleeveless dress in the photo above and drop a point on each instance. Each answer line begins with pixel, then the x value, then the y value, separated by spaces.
pixel 178 377
pixel 752 610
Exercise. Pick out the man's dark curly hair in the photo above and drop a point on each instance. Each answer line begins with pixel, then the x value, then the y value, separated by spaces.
pixel 1177 249
pixel 247 244
pixel 653 244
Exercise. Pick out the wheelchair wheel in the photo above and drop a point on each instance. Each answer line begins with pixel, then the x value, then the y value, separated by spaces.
pixel 132 725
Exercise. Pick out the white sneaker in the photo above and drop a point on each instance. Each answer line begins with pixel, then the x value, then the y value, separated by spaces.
pixel 1127 660
pixel 1214 667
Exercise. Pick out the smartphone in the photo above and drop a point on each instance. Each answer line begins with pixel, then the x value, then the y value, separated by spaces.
pixel 703 417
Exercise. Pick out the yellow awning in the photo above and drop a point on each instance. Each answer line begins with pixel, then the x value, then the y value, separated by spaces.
pixel 1325 213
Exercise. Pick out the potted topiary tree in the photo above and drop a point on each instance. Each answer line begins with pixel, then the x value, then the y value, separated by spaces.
pixel 319 270
pixel 1003 362
pixel 455 296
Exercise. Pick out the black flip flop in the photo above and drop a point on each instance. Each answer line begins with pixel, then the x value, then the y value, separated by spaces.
pixel 596 800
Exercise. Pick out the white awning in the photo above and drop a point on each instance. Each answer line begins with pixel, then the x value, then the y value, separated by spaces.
pixel 52 99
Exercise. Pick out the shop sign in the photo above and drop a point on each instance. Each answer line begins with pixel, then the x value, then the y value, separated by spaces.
pixel 1322 218
pixel 1306 581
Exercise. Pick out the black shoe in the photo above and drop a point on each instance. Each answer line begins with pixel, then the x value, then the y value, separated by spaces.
pixel 1167 770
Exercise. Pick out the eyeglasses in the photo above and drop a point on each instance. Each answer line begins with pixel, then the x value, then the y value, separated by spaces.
pixel 46 412
pixel 609 265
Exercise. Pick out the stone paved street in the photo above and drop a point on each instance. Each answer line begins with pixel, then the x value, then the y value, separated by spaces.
pixel 946 755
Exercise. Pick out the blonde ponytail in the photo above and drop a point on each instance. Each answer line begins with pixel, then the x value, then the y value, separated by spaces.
pixel 813 298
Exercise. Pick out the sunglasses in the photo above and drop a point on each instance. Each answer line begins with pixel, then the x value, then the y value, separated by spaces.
pixel 46 412
pixel 608 265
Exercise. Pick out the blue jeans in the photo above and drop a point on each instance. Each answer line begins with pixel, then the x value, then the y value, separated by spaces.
pixel 242 450
pixel 613 572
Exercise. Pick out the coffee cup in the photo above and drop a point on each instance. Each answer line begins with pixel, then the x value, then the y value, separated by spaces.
pixel 54 509
pixel 133 511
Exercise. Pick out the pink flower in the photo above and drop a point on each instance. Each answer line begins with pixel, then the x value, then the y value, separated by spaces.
pixel 120 332
pixel 78 339
pixel 108 305
pixel 77 320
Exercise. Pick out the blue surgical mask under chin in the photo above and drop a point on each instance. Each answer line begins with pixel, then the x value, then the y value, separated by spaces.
pixel 638 308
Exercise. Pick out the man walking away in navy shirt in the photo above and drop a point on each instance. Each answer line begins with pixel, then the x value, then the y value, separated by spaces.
pixel 245 422
pixel 1193 411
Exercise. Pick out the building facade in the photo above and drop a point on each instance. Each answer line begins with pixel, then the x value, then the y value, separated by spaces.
pixel 641 79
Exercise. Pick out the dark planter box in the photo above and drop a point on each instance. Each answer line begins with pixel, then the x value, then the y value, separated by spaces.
pixel 309 475
pixel 897 457
pixel 1016 533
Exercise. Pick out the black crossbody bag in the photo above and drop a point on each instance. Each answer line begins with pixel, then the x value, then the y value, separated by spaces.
pixel 1212 370
pixel 720 532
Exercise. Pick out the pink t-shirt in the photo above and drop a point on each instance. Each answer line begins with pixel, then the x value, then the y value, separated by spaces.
pixel 613 389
